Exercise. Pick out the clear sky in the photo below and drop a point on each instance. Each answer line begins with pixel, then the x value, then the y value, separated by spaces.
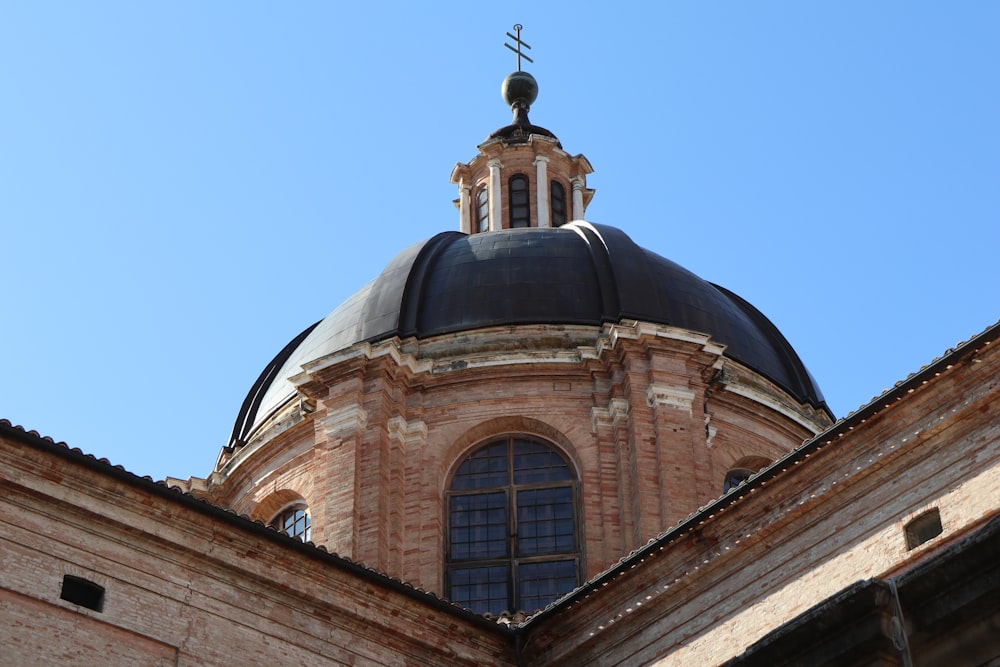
pixel 185 186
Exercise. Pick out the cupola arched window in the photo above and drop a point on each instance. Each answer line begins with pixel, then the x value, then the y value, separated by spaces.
pixel 295 522
pixel 520 209
pixel 512 527
pixel 482 209
pixel 558 199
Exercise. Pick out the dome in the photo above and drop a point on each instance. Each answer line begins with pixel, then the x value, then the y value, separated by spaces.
pixel 579 273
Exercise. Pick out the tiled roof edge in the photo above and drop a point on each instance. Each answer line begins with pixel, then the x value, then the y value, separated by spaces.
pixel 926 373
pixel 175 494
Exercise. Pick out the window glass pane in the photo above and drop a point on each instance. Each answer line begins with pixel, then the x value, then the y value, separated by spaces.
pixel 520 214
pixel 534 462
pixel 542 583
pixel 481 589
pixel 545 521
pixel 484 469
pixel 558 204
pixel 294 523
pixel 512 485
pixel 483 209
pixel 477 526
pixel 735 477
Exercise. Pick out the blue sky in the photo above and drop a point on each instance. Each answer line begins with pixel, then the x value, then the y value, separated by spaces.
pixel 185 186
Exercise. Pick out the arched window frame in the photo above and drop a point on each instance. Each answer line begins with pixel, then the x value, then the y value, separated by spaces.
pixel 516 569
pixel 742 470
pixel 557 197
pixel 519 201
pixel 735 477
pixel 483 209
pixel 294 520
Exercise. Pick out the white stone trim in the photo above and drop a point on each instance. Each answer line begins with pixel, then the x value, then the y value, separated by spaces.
pixel 465 207
pixel 506 359
pixel 678 398
pixel 616 414
pixel 409 433
pixel 496 196
pixel 633 330
pixel 765 400
pixel 542 191
pixel 345 421
pixel 281 420
pixel 578 185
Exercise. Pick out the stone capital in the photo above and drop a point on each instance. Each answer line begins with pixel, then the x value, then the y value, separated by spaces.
pixel 616 414
pixel 678 398
pixel 345 421
pixel 407 432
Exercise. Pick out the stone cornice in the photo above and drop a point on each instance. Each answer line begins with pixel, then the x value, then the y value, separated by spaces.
pixel 407 432
pixel 615 415
pixel 769 401
pixel 287 416
pixel 635 330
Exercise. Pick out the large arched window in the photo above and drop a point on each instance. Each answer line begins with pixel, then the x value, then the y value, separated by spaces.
pixel 512 529
pixel 483 209
pixel 520 210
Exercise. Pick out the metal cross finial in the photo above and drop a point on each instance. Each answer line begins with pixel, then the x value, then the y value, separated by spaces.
pixel 517 40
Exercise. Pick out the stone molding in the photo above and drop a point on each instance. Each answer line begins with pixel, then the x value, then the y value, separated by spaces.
pixel 345 421
pixel 406 432
pixel 769 401
pixel 615 415
pixel 678 398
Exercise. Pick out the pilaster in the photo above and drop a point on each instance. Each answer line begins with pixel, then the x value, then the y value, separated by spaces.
pixel 496 196
pixel 578 187
pixel 341 431
pixel 542 190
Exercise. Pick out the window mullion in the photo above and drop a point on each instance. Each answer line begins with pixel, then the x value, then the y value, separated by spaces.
pixel 543 485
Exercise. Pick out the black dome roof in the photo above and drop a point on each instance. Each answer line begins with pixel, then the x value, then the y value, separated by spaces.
pixel 580 273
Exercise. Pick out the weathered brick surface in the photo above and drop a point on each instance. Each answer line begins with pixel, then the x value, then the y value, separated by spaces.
pixel 187 584
pixel 635 408
pixel 820 524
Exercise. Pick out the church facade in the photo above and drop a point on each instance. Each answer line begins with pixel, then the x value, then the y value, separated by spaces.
pixel 529 442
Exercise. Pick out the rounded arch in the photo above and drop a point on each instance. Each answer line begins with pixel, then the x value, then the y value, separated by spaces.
pixel 753 462
pixel 464 444
pixel 741 450
pixel 519 201
pixel 741 470
pixel 274 503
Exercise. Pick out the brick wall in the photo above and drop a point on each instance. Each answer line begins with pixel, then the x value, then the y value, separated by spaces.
pixel 188 584
pixel 810 528
pixel 636 409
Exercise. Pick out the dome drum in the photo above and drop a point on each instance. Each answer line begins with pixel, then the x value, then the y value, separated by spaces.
pixel 392 417
pixel 610 377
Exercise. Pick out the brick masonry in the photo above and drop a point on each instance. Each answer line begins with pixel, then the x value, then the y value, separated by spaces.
pixel 638 410
pixel 189 583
